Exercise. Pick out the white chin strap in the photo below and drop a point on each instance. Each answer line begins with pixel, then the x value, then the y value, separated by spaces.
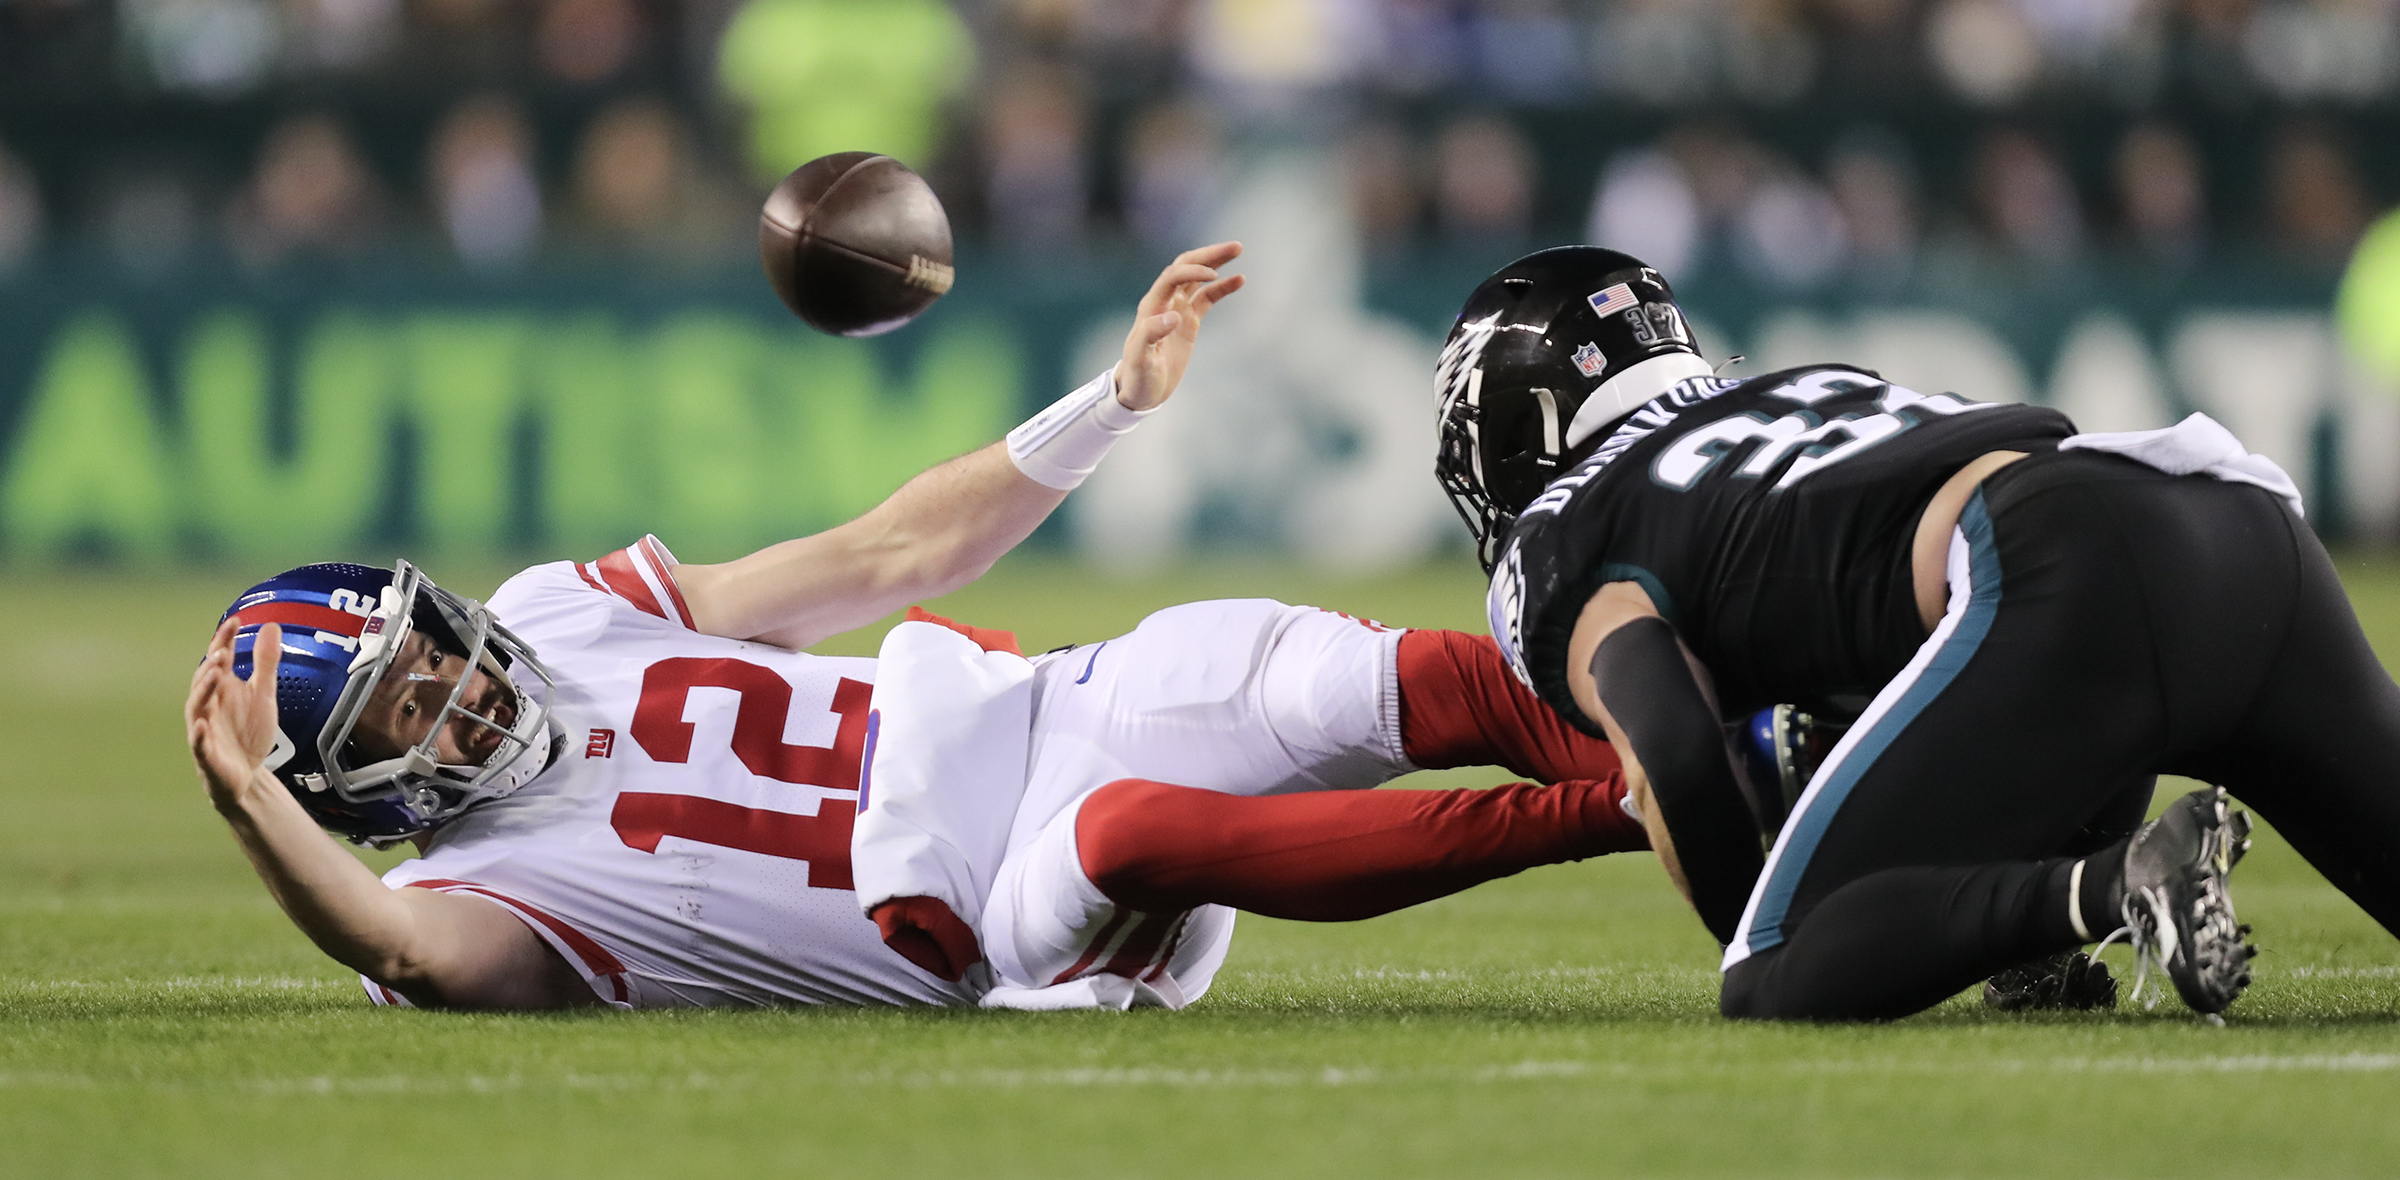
pixel 1624 393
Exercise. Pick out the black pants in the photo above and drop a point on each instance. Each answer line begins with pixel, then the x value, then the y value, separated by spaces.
pixel 2121 623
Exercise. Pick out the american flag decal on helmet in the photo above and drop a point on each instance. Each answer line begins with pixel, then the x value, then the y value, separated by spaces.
pixel 1611 300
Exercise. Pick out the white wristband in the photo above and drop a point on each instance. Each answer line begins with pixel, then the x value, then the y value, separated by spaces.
pixel 1060 446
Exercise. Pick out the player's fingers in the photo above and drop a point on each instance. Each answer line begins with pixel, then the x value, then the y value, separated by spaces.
pixel 194 705
pixel 204 669
pixel 203 715
pixel 207 681
pixel 266 655
pixel 1213 254
pixel 1160 326
pixel 1173 278
pixel 223 639
pixel 201 710
pixel 1207 297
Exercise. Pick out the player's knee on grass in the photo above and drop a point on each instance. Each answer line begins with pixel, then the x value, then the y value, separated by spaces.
pixel 1738 996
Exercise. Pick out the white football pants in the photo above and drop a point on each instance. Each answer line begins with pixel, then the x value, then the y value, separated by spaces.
pixel 1244 696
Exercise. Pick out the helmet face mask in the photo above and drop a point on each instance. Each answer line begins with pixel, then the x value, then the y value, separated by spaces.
pixel 335 657
pixel 1546 353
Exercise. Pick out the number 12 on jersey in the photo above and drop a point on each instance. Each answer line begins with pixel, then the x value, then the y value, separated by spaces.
pixel 643 818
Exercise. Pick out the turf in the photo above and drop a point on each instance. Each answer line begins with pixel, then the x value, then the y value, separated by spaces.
pixel 159 1017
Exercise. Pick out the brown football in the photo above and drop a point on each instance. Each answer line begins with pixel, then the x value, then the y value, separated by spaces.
pixel 855 243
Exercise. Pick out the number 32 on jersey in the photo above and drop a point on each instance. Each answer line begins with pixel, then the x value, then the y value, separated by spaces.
pixel 1818 442
pixel 643 818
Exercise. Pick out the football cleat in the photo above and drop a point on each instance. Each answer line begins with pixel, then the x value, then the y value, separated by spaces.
pixel 2069 981
pixel 2177 914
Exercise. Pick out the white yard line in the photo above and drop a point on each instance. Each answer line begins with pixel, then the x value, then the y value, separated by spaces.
pixel 1238 1078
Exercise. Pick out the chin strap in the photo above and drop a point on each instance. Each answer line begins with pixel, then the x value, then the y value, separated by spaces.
pixel 532 762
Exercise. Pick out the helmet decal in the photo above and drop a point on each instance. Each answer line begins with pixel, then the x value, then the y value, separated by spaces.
pixel 1612 300
pixel 1588 360
pixel 1462 355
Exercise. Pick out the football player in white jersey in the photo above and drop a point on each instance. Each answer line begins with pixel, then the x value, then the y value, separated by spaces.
pixel 630 787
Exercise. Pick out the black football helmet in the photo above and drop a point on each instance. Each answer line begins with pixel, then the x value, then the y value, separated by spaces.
pixel 1547 352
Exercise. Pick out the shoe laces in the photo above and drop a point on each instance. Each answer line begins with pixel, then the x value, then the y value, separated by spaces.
pixel 2146 955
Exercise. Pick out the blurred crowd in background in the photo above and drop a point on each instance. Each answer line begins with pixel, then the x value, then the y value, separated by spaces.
pixel 1794 144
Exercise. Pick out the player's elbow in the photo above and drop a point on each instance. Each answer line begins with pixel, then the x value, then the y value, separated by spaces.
pixel 466 985
pixel 410 979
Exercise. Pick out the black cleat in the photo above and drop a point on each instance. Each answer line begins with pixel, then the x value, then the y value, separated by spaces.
pixel 2069 981
pixel 2176 911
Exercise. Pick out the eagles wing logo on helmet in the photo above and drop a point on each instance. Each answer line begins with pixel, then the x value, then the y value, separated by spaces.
pixel 1458 463
pixel 1461 355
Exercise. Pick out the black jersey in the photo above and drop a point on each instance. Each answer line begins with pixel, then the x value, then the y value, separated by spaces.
pixel 1771 522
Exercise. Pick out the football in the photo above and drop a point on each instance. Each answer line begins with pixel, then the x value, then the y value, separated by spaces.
pixel 855 243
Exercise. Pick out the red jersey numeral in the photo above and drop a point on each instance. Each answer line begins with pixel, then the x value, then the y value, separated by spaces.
pixel 823 840
pixel 659 726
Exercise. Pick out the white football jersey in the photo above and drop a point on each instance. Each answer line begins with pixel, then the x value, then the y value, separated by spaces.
pixel 690 843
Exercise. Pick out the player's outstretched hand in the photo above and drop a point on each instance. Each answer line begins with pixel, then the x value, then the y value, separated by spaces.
pixel 1167 323
pixel 229 721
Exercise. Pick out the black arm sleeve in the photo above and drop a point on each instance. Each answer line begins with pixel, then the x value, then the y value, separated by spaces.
pixel 1649 689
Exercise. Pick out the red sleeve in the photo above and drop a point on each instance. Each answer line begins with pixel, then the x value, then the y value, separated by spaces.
pixel 642 574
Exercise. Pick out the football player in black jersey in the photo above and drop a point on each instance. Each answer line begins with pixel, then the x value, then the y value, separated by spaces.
pixel 2029 625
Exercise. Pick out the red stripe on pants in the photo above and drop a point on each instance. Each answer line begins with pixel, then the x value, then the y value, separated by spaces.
pixel 1099 943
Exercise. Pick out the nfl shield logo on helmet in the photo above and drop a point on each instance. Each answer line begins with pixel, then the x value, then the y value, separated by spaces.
pixel 1611 300
pixel 1588 360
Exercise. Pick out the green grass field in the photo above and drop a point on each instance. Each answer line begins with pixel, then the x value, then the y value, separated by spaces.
pixel 158 1016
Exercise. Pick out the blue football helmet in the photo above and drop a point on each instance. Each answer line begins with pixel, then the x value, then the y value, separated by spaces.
pixel 343 627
